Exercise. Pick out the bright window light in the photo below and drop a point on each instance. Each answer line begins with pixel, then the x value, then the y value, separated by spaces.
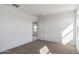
pixel 67 34
pixel 67 30
pixel 67 38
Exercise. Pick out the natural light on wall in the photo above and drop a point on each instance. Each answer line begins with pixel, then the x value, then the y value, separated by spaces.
pixel 67 34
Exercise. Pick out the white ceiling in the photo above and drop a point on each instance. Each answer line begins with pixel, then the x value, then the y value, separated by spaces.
pixel 46 9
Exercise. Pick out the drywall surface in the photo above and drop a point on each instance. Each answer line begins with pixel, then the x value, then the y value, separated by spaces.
pixel 15 27
pixel 57 28
pixel 77 29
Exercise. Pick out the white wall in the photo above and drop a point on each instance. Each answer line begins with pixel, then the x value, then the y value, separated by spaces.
pixel 77 29
pixel 52 26
pixel 15 27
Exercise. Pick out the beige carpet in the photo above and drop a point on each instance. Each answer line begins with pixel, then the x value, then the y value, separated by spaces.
pixel 40 46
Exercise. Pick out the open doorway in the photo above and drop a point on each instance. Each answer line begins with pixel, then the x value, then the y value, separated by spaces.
pixel 35 30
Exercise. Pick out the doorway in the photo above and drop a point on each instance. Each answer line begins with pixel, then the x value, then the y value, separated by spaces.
pixel 35 30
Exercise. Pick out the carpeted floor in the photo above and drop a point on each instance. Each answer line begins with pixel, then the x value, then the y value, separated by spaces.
pixel 40 46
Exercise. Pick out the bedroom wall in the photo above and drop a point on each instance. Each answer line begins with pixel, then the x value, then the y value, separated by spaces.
pixel 77 28
pixel 15 27
pixel 57 28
